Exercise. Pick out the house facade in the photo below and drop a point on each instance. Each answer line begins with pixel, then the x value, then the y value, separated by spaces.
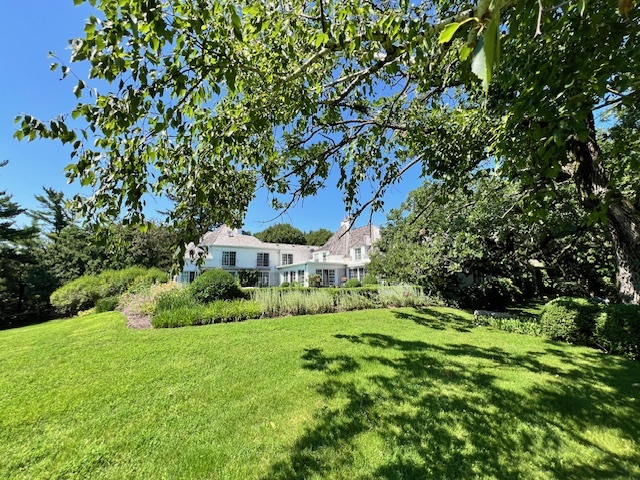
pixel 344 256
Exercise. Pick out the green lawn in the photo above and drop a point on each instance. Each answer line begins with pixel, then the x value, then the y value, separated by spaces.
pixel 362 395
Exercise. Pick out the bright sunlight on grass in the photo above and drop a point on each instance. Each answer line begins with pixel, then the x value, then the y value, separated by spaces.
pixel 369 394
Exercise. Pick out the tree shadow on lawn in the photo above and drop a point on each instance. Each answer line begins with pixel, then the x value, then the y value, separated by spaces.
pixel 444 411
pixel 437 320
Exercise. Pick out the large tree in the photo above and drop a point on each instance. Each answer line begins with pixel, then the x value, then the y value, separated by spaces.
pixel 212 98
pixel 439 237
pixel 282 233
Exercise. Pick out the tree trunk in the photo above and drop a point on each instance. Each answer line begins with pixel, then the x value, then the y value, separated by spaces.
pixel 623 217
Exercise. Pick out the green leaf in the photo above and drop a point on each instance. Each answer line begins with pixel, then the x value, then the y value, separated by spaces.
pixel 449 31
pixel 464 53
pixel 487 51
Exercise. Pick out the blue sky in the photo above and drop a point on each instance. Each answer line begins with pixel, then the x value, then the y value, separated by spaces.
pixel 29 29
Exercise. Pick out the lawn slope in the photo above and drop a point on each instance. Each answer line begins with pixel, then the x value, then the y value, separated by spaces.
pixel 371 394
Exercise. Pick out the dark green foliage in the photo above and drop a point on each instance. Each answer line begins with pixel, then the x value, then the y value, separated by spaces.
pixel 483 228
pixel 285 285
pixel 221 311
pixel 282 233
pixel 108 304
pixel 248 278
pixel 491 293
pixel 369 279
pixel 618 330
pixel 53 212
pixel 318 237
pixel 214 284
pixel 524 325
pixel 570 319
pixel 353 283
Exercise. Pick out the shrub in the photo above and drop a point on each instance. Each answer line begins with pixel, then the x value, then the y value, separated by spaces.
pixel 83 293
pixel 617 330
pixel 153 276
pixel 491 293
pixel 569 319
pixel 315 280
pixel 524 325
pixel 369 279
pixel 80 294
pixel 284 284
pixel 248 278
pixel 108 304
pixel 116 282
pixel 353 283
pixel 144 301
pixel 214 285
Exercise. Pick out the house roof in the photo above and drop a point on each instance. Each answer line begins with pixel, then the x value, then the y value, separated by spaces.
pixel 226 237
pixel 345 239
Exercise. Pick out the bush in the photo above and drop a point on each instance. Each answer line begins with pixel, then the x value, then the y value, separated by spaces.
pixel 153 276
pixel 617 330
pixel 214 285
pixel 80 294
pixel 491 293
pixel 284 284
pixel 356 300
pixel 569 319
pixel 144 302
pixel 108 304
pixel 315 280
pixel 248 278
pixel 83 293
pixel 369 279
pixel 353 283
pixel 524 325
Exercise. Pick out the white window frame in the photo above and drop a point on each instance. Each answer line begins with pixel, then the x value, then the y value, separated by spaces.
pixel 357 253
pixel 287 258
pixel 262 259
pixel 229 259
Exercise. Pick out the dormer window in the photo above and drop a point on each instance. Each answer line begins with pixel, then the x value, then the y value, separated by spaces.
pixel 357 253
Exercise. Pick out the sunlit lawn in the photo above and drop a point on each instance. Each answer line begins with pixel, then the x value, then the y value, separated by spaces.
pixel 385 394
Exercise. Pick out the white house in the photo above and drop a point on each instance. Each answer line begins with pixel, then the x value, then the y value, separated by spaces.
pixel 344 256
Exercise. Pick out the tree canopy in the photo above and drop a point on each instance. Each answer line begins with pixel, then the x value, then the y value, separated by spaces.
pixel 484 230
pixel 318 237
pixel 282 233
pixel 210 99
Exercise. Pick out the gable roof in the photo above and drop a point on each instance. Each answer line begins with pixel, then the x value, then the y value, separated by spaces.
pixel 345 239
pixel 223 236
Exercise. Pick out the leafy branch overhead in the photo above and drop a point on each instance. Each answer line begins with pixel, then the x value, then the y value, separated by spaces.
pixel 208 100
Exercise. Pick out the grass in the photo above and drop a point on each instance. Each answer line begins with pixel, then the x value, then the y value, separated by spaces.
pixel 373 394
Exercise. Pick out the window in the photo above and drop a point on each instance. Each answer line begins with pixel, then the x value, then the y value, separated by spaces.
pixel 263 260
pixel 324 256
pixel 263 280
pixel 301 276
pixel 187 277
pixel 358 253
pixel 228 259
pixel 285 277
pixel 328 277
pixel 287 258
